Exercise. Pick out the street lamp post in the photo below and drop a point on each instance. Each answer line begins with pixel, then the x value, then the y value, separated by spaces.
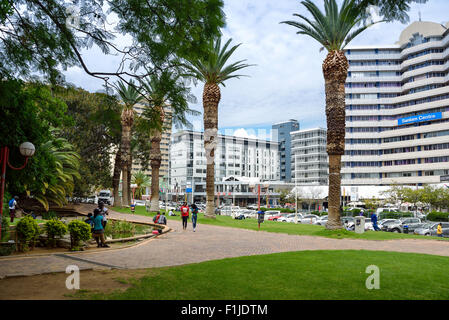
pixel 27 150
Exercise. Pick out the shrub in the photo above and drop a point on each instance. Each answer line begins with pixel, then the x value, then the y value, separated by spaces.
pixel 49 215
pixel 5 228
pixel 79 231
pixel 438 216
pixel 27 233
pixel 54 228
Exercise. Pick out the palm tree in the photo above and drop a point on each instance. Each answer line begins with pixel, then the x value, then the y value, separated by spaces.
pixel 212 71
pixel 333 29
pixel 130 97
pixel 168 99
pixel 61 181
pixel 142 181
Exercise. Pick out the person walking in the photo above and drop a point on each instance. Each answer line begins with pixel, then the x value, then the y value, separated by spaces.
pixel 440 230
pixel 12 207
pixel 194 216
pixel 104 212
pixel 98 230
pixel 147 204
pixel 374 221
pixel 184 215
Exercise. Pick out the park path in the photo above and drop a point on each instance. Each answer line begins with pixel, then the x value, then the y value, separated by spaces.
pixel 179 247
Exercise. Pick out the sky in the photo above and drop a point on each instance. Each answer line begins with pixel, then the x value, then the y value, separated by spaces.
pixel 286 81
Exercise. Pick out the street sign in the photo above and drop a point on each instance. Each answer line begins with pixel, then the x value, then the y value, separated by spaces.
pixel 444 178
pixel 188 190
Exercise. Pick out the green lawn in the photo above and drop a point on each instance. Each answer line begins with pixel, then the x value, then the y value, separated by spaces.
pixel 289 228
pixel 295 275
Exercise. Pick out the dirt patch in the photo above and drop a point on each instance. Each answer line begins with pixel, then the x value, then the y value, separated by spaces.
pixel 52 286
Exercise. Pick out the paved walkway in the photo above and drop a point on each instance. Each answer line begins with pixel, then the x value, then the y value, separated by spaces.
pixel 207 243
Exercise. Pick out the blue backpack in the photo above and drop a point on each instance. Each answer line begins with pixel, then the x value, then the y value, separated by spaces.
pixel 11 202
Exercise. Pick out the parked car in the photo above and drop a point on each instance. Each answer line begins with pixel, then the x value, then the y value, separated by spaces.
pixel 276 217
pixel 398 225
pixel 309 218
pixel 384 210
pixel 321 221
pixel 430 229
pixel 249 214
pixel 271 213
pixel 105 196
pixel 139 203
pixel 291 217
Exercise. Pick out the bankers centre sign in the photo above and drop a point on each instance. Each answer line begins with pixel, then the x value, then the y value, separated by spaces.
pixel 420 118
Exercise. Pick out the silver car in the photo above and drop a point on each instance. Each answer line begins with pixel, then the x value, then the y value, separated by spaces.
pixel 430 229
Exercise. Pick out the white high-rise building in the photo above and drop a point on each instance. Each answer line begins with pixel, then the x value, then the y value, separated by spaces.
pixel 309 159
pixel 234 157
pixel 397 109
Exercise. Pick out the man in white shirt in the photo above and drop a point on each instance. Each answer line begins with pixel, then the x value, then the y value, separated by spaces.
pixel 12 207
pixel 104 213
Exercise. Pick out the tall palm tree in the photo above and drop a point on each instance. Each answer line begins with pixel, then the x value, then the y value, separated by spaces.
pixel 168 99
pixel 130 97
pixel 333 29
pixel 212 71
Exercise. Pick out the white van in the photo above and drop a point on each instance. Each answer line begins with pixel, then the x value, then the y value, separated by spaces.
pixel 389 209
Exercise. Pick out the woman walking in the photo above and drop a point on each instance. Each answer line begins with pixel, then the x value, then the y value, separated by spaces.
pixel 194 216
pixel 98 231
pixel 184 215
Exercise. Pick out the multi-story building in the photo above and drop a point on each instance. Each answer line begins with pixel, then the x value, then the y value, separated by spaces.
pixel 397 109
pixel 281 133
pixel 235 157
pixel 165 145
pixel 309 159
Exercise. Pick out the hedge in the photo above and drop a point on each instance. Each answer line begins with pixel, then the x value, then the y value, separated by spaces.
pixel 438 216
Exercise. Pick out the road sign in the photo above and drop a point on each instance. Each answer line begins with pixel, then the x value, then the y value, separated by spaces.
pixel 188 190
pixel 444 178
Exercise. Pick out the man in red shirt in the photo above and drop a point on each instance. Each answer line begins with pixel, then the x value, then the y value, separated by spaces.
pixel 184 215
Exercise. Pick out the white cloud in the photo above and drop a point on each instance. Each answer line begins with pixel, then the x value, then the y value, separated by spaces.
pixel 287 80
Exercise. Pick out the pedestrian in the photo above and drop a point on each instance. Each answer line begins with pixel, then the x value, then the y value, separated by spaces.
pixel 104 212
pixel 156 218
pixel 440 230
pixel 374 221
pixel 98 230
pixel 162 220
pixel 184 215
pixel 194 216
pixel 362 213
pixel 147 204
pixel 12 208
pixel 90 221
pixel 170 213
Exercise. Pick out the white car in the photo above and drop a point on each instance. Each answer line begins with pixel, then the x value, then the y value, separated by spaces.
pixel 309 218
pixel 271 213
pixel 321 221
pixel 291 218
pixel 139 203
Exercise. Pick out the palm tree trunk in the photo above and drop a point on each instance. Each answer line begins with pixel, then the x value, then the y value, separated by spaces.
pixel 130 171
pixel 156 159
pixel 335 70
pixel 127 119
pixel 116 178
pixel 211 98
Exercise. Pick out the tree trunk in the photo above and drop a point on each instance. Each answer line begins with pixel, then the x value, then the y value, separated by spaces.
pixel 116 178
pixel 335 70
pixel 211 98
pixel 156 159
pixel 130 171
pixel 127 119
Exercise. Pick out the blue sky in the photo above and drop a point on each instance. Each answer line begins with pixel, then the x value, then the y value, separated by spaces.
pixel 287 81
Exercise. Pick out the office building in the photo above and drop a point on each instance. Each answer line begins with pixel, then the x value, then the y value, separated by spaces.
pixel 281 134
pixel 397 109
pixel 236 159
pixel 309 159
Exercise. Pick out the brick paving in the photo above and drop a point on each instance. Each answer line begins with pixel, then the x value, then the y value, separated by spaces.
pixel 207 243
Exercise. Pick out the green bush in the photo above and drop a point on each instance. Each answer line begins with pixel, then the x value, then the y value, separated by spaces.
pixel 54 228
pixel 79 231
pixel 5 228
pixel 49 215
pixel 282 210
pixel 27 233
pixel 438 216
pixel 7 248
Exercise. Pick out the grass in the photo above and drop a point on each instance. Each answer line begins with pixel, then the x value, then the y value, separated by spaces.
pixel 289 228
pixel 16 220
pixel 299 275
